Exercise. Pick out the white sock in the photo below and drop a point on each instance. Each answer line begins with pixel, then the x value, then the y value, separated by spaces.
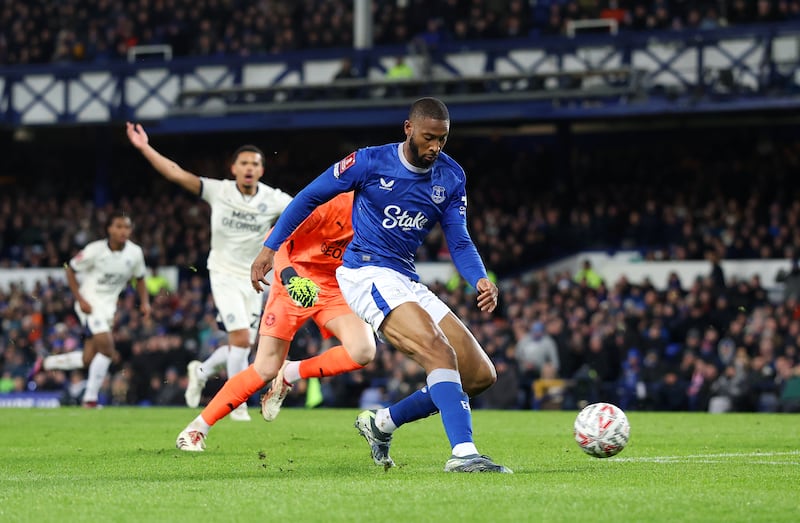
pixel 217 359
pixel 238 360
pixel 465 449
pixel 199 424
pixel 98 369
pixel 384 421
pixel 67 361
pixel 291 374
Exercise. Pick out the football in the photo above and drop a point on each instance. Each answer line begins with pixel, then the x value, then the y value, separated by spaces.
pixel 602 430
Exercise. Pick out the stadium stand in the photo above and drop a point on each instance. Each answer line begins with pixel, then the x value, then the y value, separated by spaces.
pixel 42 31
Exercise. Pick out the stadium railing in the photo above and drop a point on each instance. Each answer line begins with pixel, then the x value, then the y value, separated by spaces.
pixel 610 83
pixel 738 68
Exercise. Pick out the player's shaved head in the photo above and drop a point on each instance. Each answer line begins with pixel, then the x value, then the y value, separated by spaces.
pixel 429 108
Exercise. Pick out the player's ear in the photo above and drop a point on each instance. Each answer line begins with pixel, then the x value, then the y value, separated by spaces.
pixel 408 128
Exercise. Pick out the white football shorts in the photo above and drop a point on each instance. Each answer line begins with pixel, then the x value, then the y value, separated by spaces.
pixel 373 292
pixel 238 304
pixel 99 321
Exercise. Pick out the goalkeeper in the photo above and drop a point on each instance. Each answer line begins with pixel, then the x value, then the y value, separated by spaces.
pixel 304 287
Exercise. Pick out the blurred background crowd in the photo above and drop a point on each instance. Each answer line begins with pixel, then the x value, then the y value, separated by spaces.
pixel 670 198
pixel 559 339
pixel 98 31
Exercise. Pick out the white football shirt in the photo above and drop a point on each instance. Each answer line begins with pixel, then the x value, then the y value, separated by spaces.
pixel 104 274
pixel 239 223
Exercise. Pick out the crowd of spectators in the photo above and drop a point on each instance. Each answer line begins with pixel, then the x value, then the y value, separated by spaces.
pixel 669 199
pixel 556 342
pixel 713 344
pixel 89 31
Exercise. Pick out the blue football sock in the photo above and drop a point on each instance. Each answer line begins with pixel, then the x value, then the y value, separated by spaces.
pixel 453 403
pixel 415 406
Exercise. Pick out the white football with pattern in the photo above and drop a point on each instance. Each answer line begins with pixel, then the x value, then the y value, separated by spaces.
pixel 602 430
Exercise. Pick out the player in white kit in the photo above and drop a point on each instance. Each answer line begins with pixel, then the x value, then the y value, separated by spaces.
pixel 105 268
pixel 242 212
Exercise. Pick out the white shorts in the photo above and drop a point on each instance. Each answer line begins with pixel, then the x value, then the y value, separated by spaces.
pixel 238 304
pixel 373 292
pixel 99 321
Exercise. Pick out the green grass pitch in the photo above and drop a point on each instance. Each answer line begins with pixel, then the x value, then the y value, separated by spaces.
pixel 120 464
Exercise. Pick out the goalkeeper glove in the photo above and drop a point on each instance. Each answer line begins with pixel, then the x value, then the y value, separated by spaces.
pixel 303 291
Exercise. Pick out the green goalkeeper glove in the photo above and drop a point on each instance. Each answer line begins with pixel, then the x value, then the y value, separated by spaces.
pixel 303 291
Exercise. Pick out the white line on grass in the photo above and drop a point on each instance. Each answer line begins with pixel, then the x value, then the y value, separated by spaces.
pixel 715 458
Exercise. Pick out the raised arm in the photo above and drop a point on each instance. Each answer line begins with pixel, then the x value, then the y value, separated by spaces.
pixel 168 168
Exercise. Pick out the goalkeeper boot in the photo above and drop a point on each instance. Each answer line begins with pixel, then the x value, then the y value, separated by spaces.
pixel 271 401
pixel 474 463
pixel 191 441
pixel 378 440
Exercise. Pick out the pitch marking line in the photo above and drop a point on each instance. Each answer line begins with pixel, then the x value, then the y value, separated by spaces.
pixel 715 458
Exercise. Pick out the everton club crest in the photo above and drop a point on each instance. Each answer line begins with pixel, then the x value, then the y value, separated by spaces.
pixel 438 195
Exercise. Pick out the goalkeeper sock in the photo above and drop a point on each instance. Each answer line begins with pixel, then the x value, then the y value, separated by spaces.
pixel 199 424
pixel 291 374
pixel 332 362
pixel 236 391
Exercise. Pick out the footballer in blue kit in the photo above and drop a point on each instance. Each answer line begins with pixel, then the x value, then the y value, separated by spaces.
pixel 402 190
pixel 396 205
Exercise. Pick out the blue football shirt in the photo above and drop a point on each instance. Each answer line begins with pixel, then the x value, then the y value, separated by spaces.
pixel 395 207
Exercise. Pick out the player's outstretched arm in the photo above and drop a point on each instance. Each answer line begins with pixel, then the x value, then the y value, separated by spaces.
pixel 168 168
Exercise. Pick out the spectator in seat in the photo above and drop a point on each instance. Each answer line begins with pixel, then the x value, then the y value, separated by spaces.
pixel 399 73
pixel 347 71
pixel 533 351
